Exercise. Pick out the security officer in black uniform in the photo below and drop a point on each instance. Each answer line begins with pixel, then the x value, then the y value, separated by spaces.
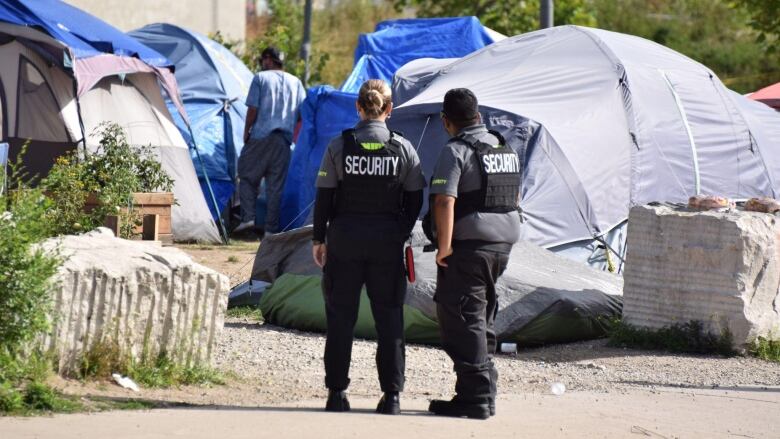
pixel 369 194
pixel 475 194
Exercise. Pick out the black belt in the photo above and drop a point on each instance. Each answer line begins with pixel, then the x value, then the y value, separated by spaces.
pixel 478 244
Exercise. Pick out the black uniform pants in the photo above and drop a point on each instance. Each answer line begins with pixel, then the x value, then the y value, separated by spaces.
pixel 466 308
pixel 358 255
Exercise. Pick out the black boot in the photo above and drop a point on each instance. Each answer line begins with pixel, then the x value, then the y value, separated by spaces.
pixel 390 404
pixel 459 409
pixel 337 401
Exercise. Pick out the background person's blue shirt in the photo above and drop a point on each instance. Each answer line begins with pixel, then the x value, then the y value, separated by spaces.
pixel 277 95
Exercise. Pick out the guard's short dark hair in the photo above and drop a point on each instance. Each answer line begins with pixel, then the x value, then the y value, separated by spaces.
pixel 274 55
pixel 461 107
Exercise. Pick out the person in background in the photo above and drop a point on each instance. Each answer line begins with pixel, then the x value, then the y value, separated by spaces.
pixel 273 102
pixel 369 194
pixel 475 187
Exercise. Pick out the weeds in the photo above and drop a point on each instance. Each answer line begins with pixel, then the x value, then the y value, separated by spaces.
pixel 232 258
pixel 688 338
pixel 766 349
pixel 106 357
pixel 246 312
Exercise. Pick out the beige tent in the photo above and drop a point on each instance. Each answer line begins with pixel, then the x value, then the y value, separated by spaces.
pixel 43 104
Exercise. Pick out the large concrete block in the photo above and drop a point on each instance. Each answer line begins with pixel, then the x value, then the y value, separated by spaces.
pixel 721 268
pixel 147 298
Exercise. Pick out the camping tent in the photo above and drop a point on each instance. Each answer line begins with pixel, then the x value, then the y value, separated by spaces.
pixel 326 111
pixel 64 72
pixel 213 85
pixel 603 121
pixel 769 95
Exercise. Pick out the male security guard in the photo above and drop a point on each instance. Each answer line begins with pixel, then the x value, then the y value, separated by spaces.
pixel 369 194
pixel 475 188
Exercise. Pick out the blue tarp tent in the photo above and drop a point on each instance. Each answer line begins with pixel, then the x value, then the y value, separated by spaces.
pixel 214 84
pixel 327 111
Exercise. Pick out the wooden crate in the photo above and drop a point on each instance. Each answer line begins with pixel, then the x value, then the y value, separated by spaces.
pixel 148 203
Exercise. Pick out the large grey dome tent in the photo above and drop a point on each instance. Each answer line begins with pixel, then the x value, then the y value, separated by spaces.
pixel 604 121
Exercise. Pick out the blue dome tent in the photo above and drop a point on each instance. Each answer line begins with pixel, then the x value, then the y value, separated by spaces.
pixel 327 111
pixel 213 84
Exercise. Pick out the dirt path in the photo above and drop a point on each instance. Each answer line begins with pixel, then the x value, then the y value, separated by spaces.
pixel 665 413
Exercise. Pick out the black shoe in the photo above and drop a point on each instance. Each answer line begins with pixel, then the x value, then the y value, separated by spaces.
pixel 337 401
pixel 390 404
pixel 459 409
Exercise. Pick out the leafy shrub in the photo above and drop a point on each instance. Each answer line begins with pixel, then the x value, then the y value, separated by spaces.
pixel 25 269
pixel 26 273
pixel 111 173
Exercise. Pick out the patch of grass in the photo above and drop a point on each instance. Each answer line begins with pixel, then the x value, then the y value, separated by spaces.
pixel 766 349
pixel 246 312
pixel 164 373
pixel 103 358
pixel 684 338
pixel 41 397
pixel 106 357
pixel 35 398
pixel 232 258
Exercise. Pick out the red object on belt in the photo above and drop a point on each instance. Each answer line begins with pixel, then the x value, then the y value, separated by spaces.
pixel 410 264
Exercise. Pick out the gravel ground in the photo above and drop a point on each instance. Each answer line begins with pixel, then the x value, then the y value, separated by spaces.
pixel 286 365
pixel 269 365
pixel 272 365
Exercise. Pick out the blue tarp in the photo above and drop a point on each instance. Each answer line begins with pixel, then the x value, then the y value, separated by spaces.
pixel 327 111
pixel 213 85
pixel 84 34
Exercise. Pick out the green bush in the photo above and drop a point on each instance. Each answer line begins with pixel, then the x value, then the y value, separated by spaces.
pixel 26 273
pixel 10 398
pixel 111 173
pixel 26 270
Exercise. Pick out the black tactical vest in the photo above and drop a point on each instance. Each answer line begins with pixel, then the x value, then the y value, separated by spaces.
pixel 371 183
pixel 501 178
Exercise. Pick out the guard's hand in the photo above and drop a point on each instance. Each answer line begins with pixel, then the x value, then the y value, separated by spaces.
pixel 318 252
pixel 442 254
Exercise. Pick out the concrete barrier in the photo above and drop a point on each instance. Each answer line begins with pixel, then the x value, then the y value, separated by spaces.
pixel 720 268
pixel 144 298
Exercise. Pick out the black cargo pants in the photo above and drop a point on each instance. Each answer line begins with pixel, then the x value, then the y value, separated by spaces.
pixel 466 308
pixel 368 252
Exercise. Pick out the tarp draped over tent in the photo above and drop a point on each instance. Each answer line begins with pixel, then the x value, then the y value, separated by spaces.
pixel 603 121
pixel 214 85
pixel 327 111
pixel 64 72
pixel 542 298
pixel 87 38
pixel 769 95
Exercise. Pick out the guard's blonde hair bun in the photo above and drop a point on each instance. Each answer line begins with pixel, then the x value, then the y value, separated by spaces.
pixel 374 97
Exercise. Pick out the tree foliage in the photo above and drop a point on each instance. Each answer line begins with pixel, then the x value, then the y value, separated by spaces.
pixel 507 17
pixel 764 18
pixel 713 32
pixel 283 30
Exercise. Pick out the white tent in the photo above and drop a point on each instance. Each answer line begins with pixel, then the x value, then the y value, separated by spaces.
pixel 603 121
pixel 44 104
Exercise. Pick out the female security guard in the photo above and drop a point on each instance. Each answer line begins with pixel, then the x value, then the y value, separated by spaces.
pixel 369 194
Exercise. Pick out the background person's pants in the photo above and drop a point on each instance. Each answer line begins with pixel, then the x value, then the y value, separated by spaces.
pixel 360 251
pixel 264 158
pixel 466 308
